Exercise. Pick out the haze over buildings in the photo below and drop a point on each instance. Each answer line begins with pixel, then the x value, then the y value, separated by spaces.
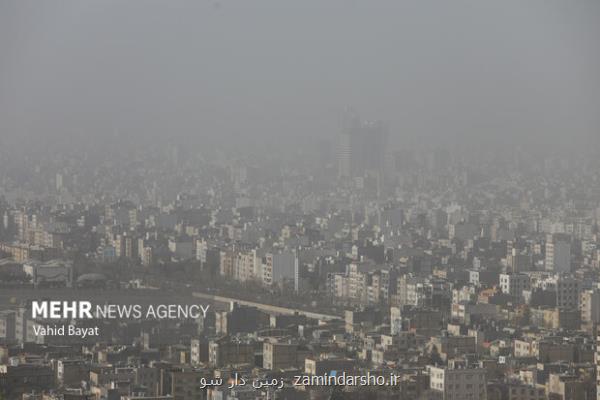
pixel 404 191
pixel 271 74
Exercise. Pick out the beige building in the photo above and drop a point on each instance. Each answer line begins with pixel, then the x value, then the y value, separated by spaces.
pixel 521 391
pixel 589 305
pixel 316 366
pixel 227 262
pixel 452 383
pixel 524 348
pixel 452 346
pixel 247 266
pixel 566 387
pixel 223 352
pixel 184 384
pixel 278 356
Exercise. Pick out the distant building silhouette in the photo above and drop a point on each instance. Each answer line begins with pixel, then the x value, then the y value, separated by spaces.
pixel 362 147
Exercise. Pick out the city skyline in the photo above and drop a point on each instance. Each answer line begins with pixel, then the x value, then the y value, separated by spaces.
pixel 310 200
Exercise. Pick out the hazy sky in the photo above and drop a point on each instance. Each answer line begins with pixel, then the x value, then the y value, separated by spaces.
pixel 519 69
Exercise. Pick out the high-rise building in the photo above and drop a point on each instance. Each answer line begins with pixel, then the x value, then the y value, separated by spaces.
pixel 566 288
pixel 589 305
pixel 247 266
pixel 558 253
pixel 395 320
pixel 362 147
pixel 519 261
pixel 59 182
pixel 279 267
pixel 514 284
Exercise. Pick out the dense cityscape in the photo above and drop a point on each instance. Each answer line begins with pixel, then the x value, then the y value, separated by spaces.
pixel 299 200
pixel 445 275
